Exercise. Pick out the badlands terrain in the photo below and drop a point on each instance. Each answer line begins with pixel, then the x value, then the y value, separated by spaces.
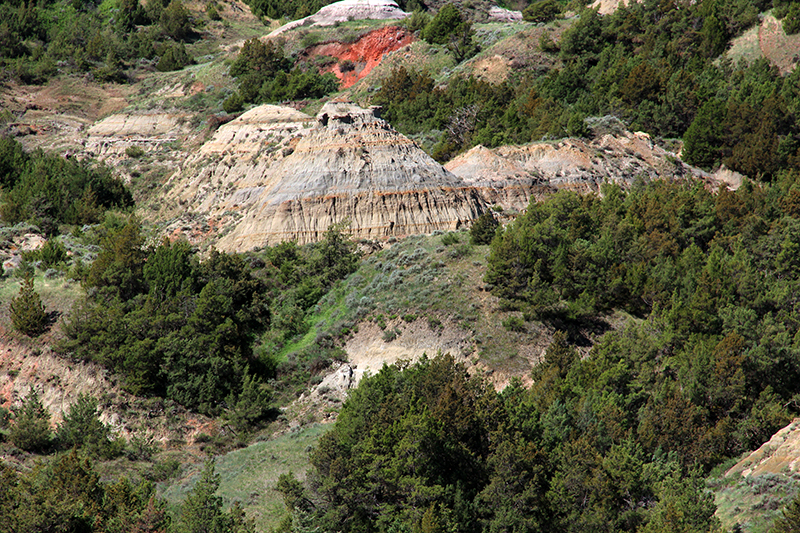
pixel 250 180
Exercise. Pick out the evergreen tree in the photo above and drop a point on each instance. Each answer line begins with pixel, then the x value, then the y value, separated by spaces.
pixel 789 521
pixel 27 311
pixel 483 229
pixel 83 428
pixel 30 428
pixel 202 511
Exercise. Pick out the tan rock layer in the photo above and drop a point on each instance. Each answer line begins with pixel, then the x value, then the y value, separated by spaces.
pixel 369 214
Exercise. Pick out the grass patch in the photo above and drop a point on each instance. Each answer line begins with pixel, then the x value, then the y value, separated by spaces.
pixel 754 502
pixel 249 475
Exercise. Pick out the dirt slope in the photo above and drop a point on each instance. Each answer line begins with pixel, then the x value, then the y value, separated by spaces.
pixel 357 59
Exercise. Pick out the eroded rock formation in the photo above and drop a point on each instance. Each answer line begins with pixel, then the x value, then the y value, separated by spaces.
pixel 511 176
pixel 345 10
pixel 353 167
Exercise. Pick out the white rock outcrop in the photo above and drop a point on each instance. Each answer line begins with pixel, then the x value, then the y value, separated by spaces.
pixel 347 10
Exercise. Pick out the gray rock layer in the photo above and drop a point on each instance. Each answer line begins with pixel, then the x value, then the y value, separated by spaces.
pixel 352 167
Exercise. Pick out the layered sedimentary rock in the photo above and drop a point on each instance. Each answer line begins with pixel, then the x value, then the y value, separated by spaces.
pixel 511 176
pixel 353 167
pixel 150 131
pixel 236 165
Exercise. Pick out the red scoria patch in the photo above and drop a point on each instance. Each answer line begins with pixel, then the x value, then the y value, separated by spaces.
pixel 362 55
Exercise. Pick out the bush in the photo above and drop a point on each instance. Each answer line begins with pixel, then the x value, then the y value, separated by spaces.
pixel 52 254
pixel 483 229
pixel 542 11
pixel 212 12
pixel 174 57
pixel 791 23
pixel 234 103
pixel 450 238
pixel 82 428
pixel 134 152
pixel 514 323
pixel 175 21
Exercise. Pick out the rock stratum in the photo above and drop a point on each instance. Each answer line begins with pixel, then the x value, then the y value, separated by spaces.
pixel 274 174
pixel 352 167
pixel 345 10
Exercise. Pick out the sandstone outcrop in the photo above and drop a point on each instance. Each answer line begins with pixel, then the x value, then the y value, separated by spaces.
pixel 148 131
pixel 511 176
pixel 353 167
pixel 234 166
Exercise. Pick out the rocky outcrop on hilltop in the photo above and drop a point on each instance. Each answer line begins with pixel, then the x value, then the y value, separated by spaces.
pixel 345 10
pixel 511 176
pixel 353 167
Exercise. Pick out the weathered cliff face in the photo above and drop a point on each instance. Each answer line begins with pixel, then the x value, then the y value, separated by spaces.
pixel 353 167
pixel 363 55
pixel 511 176
pixel 345 10
pixel 151 131
pixel 225 176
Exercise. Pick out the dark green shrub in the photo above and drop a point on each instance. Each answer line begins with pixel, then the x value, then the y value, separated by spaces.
pixel 82 428
pixel 30 425
pixel 483 229
pixel 514 323
pixel 134 152
pixel 791 23
pixel 450 238
pixel 174 21
pixel 542 11
pixel 51 255
pixel 174 57
pixel 234 103
pixel 212 12
pixel 27 311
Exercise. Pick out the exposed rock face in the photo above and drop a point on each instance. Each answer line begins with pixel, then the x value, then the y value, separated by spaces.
pixel 149 131
pixel 500 14
pixel 513 175
pixel 347 10
pixel 364 54
pixel 353 167
pixel 780 454
pixel 234 166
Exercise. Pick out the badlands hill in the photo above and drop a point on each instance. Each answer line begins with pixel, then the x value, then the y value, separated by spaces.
pixel 275 174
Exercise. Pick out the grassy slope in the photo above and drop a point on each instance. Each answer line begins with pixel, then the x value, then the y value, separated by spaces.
pixel 249 475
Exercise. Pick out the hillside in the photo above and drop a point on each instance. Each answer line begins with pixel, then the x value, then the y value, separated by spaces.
pixel 340 248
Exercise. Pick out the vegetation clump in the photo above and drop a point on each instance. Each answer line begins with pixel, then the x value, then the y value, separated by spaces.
pixel 27 310
pixel 30 425
pixel 266 75
pixel 48 190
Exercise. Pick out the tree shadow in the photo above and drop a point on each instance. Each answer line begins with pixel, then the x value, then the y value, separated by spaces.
pixel 579 331
pixel 51 318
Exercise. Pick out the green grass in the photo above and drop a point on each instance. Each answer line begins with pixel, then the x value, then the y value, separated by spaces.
pixel 754 502
pixel 249 475
pixel 434 278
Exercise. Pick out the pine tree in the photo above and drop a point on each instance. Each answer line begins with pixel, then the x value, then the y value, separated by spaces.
pixel 30 429
pixel 27 311
pixel 82 428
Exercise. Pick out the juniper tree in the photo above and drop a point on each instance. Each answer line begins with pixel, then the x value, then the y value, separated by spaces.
pixel 30 428
pixel 27 311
